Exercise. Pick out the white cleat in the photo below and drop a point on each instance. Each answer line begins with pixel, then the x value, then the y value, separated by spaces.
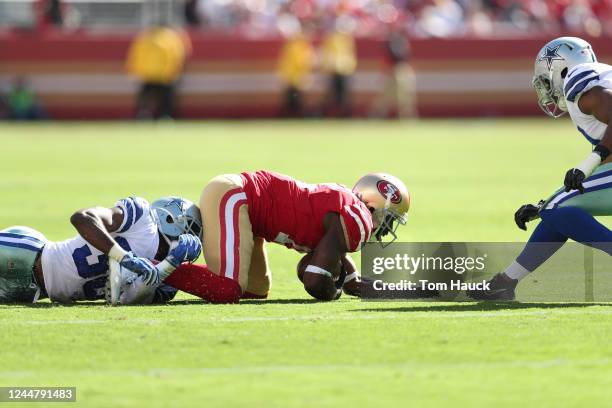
pixel 113 283
pixel 118 278
pixel 124 287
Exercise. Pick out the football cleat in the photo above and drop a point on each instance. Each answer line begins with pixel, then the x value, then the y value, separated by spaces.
pixel 501 288
pixel 117 278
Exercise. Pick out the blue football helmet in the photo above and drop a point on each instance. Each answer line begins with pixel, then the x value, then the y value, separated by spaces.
pixel 175 216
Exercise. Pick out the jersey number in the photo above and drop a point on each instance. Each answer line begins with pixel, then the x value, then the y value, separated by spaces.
pixel 86 270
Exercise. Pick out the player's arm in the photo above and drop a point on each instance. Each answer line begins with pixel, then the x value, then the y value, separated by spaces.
pixel 319 276
pixel 597 102
pixel 95 225
pixel 352 281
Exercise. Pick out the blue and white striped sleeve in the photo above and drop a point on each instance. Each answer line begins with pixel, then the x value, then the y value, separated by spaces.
pixel 133 208
pixel 579 80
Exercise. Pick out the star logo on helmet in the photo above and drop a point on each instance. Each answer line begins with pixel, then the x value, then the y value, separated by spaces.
pixel 550 55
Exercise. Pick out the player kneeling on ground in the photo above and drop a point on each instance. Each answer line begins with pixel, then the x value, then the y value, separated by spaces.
pixel 241 211
pixel 131 234
pixel 568 78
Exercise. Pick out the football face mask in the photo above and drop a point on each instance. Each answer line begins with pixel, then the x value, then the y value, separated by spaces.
pixel 549 100
pixel 385 233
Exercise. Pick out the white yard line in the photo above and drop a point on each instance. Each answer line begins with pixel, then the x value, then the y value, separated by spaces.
pixel 542 364
pixel 380 315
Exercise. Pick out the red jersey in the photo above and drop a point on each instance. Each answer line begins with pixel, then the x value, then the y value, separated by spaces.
pixel 290 212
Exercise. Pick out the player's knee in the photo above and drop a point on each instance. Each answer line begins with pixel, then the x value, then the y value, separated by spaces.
pixel 561 214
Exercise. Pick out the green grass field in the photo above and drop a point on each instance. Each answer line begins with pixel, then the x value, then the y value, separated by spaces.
pixel 466 178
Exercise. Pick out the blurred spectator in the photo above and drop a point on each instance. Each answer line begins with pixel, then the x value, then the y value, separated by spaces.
pixel 192 17
pixel 22 102
pixel 399 89
pixel 294 67
pixel 49 12
pixel 5 113
pixel 478 21
pixel 579 16
pixel 53 12
pixel 442 18
pixel 339 61
pixel 157 57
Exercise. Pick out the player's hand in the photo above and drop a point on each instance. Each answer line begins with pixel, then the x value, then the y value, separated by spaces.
pixel 352 288
pixel 142 267
pixel 573 180
pixel 526 213
pixel 187 249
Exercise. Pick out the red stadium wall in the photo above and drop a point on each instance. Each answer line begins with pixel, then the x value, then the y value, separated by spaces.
pixel 81 75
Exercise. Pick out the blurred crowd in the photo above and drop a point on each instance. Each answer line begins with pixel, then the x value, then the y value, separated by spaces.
pixel 319 43
pixel 422 18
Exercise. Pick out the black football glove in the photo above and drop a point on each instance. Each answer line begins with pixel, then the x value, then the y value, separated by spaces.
pixel 573 180
pixel 526 213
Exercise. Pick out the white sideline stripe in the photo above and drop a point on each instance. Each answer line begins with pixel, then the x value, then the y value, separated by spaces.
pixel 229 233
pixel 256 83
pixel 588 184
pixel 318 368
pixel 382 315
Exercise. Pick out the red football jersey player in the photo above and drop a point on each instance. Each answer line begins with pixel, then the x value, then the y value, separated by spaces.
pixel 242 211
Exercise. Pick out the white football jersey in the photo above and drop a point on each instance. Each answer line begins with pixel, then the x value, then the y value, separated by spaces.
pixel 578 80
pixel 75 270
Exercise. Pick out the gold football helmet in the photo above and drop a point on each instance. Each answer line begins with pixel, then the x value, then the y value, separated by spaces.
pixel 388 200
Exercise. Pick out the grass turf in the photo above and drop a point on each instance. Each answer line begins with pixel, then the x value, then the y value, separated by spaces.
pixel 466 179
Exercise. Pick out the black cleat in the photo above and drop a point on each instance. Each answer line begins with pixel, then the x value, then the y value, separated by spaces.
pixel 501 287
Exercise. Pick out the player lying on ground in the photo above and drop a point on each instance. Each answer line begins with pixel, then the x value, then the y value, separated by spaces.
pixel 568 78
pixel 241 211
pixel 131 233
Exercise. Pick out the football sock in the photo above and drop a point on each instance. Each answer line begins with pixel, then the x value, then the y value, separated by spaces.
pixel 199 281
pixel 543 243
pixel 516 271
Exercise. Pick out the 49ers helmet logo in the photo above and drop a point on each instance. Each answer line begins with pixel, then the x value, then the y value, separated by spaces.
pixel 387 189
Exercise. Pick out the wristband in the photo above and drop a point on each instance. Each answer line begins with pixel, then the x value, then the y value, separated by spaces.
pixel 117 253
pixel 165 268
pixel 602 151
pixel 351 277
pixel 318 271
pixel 589 164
